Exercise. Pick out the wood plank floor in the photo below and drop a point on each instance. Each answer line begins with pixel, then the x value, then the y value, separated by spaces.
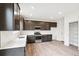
pixel 53 48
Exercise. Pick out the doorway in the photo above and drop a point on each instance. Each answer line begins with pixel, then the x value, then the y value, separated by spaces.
pixel 73 33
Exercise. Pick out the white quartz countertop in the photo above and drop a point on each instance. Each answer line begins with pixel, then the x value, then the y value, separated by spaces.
pixel 19 42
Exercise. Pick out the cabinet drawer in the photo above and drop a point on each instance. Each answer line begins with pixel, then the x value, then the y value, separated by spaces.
pixel 30 39
pixel 46 38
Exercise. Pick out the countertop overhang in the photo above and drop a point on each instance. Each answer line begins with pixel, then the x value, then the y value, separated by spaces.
pixel 19 42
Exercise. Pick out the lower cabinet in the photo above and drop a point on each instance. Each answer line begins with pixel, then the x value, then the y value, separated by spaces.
pixel 43 38
pixel 46 38
pixel 30 39
pixel 13 52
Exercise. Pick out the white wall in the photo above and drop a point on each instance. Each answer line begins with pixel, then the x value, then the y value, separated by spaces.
pixel 60 29
pixel 66 32
pixel 54 33
pixel 78 34
pixel 58 33
pixel 8 36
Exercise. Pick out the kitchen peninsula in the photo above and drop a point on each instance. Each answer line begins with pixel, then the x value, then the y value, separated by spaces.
pixel 15 48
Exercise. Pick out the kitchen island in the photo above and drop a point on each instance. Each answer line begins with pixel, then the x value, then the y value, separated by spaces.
pixel 15 48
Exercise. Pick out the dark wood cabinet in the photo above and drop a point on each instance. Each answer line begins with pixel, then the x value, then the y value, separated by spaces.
pixel 43 38
pixel 17 23
pixel 7 14
pixel 41 25
pixel 46 38
pixel 53 24
pixel 30 39
pixel 16 17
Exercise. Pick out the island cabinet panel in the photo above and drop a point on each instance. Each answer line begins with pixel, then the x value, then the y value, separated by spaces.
pixel 13 52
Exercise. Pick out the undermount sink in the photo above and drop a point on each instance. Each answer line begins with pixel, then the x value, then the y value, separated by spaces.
pixel 22 36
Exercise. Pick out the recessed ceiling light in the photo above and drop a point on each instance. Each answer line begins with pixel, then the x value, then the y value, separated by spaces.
pixel 33 7
pixel 60 13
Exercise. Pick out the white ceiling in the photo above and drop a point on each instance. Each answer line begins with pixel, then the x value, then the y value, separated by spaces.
pixel 47 10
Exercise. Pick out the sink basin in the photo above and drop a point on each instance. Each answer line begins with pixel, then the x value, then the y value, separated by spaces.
pixel 21 37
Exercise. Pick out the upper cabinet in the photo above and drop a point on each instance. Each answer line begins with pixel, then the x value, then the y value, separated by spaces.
pixel 8 16
pixel 38 25
pixel 16 17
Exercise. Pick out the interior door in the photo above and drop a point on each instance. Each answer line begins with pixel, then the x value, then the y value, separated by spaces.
pixel 73 33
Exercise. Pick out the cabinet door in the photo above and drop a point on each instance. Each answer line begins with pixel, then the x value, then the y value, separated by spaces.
pixel 30 39
pixel 16 16
pixel 53 24
pixel 46 38
pixel 17 24
pixel 6 16
pixel 49 37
